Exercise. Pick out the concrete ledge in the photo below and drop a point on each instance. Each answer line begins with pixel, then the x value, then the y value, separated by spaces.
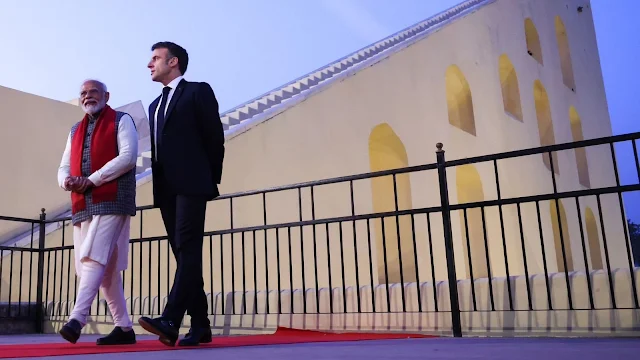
pixel 17 318
pixel 426 308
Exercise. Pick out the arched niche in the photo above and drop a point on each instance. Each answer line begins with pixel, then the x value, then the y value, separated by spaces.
pixel 565 54
pixel 561 238
pixel 533 40
pixel 545 123
pixel 510 88
pixel 581 153
pixel 593 240
pixel 459 100
pixel 469 190
pixel 386 152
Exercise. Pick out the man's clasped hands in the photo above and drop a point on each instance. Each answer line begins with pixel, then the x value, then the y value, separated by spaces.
pixel 77 184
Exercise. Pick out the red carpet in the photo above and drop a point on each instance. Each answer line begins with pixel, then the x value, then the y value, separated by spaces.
pixel 281 336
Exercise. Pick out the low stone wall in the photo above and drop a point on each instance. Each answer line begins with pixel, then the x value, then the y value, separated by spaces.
pixel 17 318
pixel 423 312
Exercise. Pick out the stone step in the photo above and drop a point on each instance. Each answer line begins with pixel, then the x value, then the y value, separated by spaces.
pixel 17 318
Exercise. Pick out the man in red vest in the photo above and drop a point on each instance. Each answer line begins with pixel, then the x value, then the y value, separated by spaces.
pixel 98 168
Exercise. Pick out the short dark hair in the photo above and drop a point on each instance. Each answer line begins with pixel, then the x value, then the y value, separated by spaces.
pixel 174 50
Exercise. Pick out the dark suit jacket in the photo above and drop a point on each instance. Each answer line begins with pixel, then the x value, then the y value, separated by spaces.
pixel 191 151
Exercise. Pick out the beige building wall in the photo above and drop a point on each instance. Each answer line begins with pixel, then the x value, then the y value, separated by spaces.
pixel 496 80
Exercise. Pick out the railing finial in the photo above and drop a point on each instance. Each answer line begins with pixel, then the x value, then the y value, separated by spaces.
pixel 439 146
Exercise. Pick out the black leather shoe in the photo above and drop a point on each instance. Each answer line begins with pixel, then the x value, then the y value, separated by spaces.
pixel 162 327
pixel 196 336
pixel 71 331
pixel 118 337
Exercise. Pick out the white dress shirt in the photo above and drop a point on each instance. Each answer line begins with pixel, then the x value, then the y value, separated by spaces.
pixel 173 84
pixel 125 161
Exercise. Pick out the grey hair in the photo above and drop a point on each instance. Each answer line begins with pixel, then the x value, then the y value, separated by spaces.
pixel 100 84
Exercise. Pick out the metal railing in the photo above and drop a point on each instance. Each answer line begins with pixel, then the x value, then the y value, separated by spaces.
pixel 26 257
pixel 385 258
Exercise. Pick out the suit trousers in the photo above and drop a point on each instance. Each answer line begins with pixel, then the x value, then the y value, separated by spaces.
pixel 183 217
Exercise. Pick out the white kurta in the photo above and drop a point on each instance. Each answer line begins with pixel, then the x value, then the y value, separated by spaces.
pixel 97 237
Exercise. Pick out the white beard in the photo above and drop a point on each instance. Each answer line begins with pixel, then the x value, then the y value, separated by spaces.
pixel 92 109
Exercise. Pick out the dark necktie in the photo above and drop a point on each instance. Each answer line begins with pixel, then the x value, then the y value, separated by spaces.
pixel 161 113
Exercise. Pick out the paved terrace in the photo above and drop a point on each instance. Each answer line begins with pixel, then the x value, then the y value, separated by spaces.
pixel 436 349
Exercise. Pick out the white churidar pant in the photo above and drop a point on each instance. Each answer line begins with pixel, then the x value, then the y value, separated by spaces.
pixel 101 247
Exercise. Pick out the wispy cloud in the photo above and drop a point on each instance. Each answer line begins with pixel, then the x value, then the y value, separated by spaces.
pixel 358 18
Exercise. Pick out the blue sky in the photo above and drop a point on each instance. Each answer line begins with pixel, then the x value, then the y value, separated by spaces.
pixel 246 47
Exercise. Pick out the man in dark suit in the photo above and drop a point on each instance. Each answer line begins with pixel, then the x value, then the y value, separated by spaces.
pixel 187 152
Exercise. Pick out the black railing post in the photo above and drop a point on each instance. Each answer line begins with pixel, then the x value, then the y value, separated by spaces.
pixel 448 243
pixel 40 280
